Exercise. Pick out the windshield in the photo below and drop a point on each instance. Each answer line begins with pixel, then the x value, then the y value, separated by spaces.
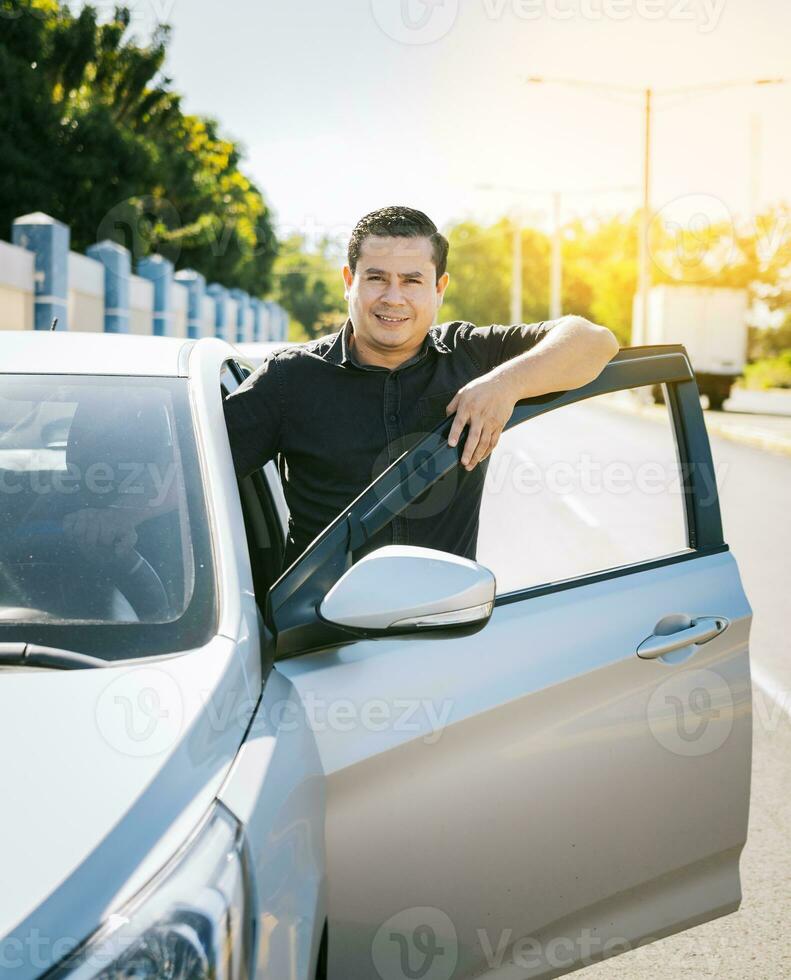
pixel 104 544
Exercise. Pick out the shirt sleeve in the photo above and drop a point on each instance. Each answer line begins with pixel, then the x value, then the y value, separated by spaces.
pixel 254 418
pixel 496 344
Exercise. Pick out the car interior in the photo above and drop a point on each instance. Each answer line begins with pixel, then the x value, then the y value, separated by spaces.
pixel 82 449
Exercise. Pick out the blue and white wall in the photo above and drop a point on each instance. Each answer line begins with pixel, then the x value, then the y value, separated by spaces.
pixel 41 278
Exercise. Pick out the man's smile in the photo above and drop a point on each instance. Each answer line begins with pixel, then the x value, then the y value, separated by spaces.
pixel 391 319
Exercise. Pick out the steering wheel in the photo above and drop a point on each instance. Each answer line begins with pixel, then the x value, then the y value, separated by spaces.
pixel 130 572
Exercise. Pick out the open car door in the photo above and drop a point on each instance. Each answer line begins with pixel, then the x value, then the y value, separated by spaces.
pixel 560 783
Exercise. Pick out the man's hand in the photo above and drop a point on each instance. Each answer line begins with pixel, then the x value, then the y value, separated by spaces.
pixel 108 527
pixel 573 353
pixel 485 405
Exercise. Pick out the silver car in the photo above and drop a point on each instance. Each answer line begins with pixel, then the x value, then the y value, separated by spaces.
pixel 383 769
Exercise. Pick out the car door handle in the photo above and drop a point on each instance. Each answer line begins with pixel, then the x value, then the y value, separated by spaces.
pixel 701 631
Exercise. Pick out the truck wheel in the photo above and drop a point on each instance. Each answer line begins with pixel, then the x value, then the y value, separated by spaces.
pixel 716 400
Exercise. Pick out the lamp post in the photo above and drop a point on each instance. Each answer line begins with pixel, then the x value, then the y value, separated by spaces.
pixel 648 96
pixel 556 260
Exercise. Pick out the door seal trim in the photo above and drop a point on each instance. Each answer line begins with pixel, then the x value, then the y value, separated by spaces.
pixel 548 588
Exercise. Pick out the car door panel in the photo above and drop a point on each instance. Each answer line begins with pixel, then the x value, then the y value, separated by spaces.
pixel 558 784
pixel 553 798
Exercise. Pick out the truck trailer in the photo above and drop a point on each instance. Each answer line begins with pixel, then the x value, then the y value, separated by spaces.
pixel 711 322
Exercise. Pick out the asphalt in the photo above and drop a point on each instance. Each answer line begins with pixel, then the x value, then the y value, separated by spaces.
pixel 753 418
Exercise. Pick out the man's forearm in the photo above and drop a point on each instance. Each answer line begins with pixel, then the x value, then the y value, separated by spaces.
pixel 573 353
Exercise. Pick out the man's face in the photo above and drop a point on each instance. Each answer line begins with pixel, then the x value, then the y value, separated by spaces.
pixel 394 293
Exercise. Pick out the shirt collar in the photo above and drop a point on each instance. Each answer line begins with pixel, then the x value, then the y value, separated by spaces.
pixel 341 352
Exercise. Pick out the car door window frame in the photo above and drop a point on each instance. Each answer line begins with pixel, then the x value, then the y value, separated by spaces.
pixel 259 510
pixel 292 604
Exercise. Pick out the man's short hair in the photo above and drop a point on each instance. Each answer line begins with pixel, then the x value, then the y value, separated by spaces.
pixel 399 222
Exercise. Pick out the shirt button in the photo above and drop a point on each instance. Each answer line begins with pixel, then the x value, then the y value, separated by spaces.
pixel 393 418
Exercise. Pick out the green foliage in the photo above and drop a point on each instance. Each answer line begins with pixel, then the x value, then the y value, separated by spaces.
pixel 310 287
pixel 92 133
pixel 480 273
pixel 754 255
pixel 598 272
pixel 599 260
pixel 770 372
pixel 770 341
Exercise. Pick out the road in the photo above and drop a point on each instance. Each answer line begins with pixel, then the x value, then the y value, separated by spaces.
pixel 774 402
pixel 592 528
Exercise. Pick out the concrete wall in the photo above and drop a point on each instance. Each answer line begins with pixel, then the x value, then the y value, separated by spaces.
pixel 86 294
pixel 17 268
pixel 248 326
pixel 141 306
pixel 207 325
pixel 41 278
pixel 179 321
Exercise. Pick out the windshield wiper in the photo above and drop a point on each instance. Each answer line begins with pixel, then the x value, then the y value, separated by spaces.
pixel 32 655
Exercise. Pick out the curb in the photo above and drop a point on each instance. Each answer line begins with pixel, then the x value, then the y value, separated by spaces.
pixel 758 438
pixel 733 431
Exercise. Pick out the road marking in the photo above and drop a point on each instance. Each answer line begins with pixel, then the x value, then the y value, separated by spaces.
pixel 579 509
pixel 771 688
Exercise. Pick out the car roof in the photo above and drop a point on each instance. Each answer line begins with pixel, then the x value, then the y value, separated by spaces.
pixel 73 352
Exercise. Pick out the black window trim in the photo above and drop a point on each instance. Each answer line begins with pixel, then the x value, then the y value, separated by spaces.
pixel 294 599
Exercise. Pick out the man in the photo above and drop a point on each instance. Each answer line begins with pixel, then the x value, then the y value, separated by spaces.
pixel 340 409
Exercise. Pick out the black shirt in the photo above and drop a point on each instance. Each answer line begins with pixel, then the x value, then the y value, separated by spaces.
pixel 336 424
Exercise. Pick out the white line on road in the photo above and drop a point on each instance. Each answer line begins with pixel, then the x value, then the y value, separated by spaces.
pixel 579 509
pixel 771 688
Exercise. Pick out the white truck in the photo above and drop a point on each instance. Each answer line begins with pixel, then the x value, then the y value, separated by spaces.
pixel 711 322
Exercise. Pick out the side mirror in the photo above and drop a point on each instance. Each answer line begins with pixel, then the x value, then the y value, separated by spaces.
pixel 404 587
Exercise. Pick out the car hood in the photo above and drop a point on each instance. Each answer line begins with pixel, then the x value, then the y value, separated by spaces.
pixel 105 772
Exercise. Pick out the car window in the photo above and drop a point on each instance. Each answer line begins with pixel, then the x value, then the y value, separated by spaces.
pixel 587 487
pixel 100 511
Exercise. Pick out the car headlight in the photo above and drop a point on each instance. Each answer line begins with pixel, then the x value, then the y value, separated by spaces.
pixel 194 921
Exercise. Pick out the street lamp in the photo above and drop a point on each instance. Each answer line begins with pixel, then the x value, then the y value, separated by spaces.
pixel 648 95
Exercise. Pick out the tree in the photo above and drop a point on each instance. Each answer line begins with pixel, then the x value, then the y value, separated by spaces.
pixel 92 132
pixel 600 271
pixel 599 259
pixel 480 265
pixel 309 285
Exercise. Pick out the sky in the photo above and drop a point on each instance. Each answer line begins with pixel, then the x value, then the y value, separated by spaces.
pixel 343 106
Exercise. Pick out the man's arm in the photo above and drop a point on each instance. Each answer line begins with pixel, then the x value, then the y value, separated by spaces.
pixel 569 356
